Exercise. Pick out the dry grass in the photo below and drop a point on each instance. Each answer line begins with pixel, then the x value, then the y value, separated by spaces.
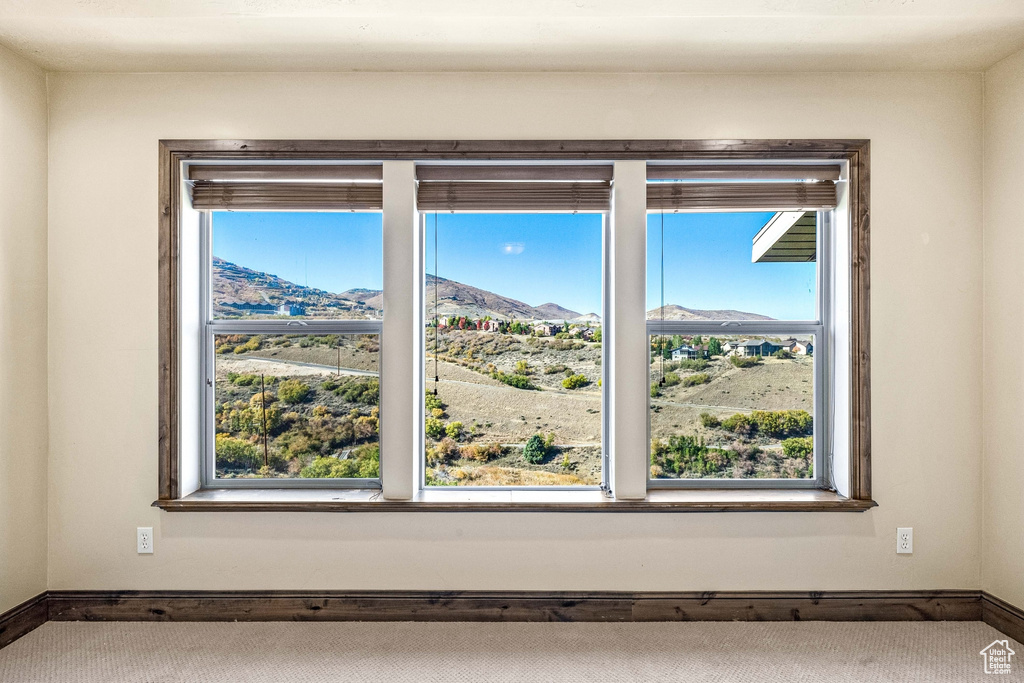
pixel 505 476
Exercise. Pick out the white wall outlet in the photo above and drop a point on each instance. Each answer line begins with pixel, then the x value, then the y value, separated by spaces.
pixel 905 540
pixel 144 540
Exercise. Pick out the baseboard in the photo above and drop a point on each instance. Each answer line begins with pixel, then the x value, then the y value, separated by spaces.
pixel 17 621
pixel 948 605
pixel 936 605
pixel 1003 616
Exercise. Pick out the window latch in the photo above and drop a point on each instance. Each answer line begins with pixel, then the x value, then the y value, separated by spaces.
pixel 292 323
pixel 730 323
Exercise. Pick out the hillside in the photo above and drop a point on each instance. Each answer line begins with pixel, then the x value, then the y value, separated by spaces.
pixel 676 312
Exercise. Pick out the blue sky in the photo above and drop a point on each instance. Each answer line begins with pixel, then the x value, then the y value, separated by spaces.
pixel 707 266
pixel 536 258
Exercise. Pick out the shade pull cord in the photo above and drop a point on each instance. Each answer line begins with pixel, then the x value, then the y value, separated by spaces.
pixel 661 338
pixel 436 319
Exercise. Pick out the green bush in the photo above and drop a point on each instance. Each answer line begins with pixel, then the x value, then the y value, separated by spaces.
pixel 575 381
pixel 739 424
pixel 522 367
pixel 432 402
pixel 535 451
pixel 710 421
pixel 453 430
pixel 693 364
pixel 798 447
pixel 364 462
pixel 517 381
pixel 292 391
pixel 744 361
pixel 243 380
pixel 695 380
pixel 672 379
pixel 688 457
pixel 783 353
pixel 779 423
pixel 554 369
pixel 434 428
pixel 235 453
pixel 655 391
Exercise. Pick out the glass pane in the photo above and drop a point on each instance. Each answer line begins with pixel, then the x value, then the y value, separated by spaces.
pixel 514 338
pixel 732 266
pixel 292 405
pixel 732 407
pixel 313 265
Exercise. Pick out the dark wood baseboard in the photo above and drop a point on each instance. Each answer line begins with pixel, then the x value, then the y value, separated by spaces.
pixel 945 605
pixel 28 616
pixel 935 605
pixel 1003 616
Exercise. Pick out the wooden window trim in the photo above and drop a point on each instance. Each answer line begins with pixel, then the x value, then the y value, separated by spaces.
pixel 856 152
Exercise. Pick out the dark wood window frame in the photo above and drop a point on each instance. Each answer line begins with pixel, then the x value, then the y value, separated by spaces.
pixel 856 152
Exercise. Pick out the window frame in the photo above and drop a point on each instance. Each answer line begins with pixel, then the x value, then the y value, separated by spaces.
pixel 212 327
pixel 173 153
pixel 820 329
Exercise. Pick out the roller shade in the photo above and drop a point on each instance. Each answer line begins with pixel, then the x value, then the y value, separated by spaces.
pixel 742 187
pixel 514 188
pixel 296 187
pixel 742 196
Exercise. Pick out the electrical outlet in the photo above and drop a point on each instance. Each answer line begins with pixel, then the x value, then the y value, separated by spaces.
pixel 144 540
pixel 905 540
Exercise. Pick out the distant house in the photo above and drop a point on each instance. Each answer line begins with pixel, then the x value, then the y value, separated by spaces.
pixel 587 333
pixel 687 352
pixel 798 347
pixel 546 329
pixel 755 347
pixel 491 326
pixel 291 309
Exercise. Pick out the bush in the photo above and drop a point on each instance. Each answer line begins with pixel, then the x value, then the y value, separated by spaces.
pixel 798 447
pixel 535 451
pixel 710 421
pixel 517 381
pixel 783 353
pixel 687 456
pixel 453 430
pixel 433 402
pixel 243 380
pixel 672 379
pixel 554 369
pixel 655 391
pixel 437 412
pixel 522 367
pixel 575 382
pixel 447 449
pixel 434 428
pixel 739 424
pixel 292 391
pixel 694 364
pixel 744 361
pixel 779 423
pixel 235 453
pixel 696 380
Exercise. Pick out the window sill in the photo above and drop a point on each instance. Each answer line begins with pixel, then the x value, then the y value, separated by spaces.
pixel 296 500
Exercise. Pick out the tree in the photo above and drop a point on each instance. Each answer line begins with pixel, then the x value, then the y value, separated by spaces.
pixel 292 391
pixel 534 451
pixel 714 347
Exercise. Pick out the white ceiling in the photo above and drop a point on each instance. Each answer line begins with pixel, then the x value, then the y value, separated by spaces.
pixel 513 35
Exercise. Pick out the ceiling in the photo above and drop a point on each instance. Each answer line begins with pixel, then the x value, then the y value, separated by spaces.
pixel 513 35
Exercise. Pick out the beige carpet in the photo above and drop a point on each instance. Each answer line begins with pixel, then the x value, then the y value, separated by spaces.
pixel 478 653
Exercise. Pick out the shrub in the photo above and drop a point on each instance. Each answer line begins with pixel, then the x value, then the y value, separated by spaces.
pixel 798 447
pixel 293 391
pixel 694 364
pixel 744 361
pixel 235 453
pixel 453 430
pixel 739 424
pixel 655 391
pixel 517 381
pixel 672 379
pixel 329 385
pixel 434 428
pixel 696 380
pixel 554 369
pixel 522 367
pixel 710 421
pixel 243 380
pixel 447 448
pixel 432 402
pixel 779 423
pixel 437 412
pixel 534 452
pixel 783 353
pixel 575 382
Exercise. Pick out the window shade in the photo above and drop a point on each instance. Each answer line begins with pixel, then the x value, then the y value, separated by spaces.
pixel 742 187
pixel 514 188
pixel 295 187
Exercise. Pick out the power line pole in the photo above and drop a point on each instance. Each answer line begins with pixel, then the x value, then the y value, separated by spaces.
pixel 263 405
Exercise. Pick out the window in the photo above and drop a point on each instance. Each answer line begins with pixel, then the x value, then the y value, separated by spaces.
pixel 513 352
pixel 738 305
pixel 582 325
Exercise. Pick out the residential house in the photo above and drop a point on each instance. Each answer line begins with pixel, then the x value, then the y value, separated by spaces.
pixel 755 347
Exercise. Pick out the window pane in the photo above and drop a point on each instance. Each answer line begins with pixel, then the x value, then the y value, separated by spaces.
pixel 313 265
pixel 516 349
pixel 732 266
pixel 292 405
pixel 732 407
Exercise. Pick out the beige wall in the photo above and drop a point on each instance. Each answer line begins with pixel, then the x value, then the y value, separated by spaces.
pixel 1003 464
pixel 23 430
pixel 926 282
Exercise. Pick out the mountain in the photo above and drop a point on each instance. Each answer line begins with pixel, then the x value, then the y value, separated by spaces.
pixel 455 298
pixel 676 312
pixel 555 312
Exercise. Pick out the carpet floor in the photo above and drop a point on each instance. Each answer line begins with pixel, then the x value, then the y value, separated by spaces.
pixel 81 652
